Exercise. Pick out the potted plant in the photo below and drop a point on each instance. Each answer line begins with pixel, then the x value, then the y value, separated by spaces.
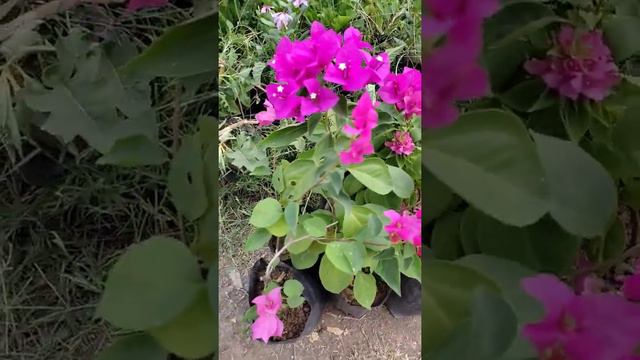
pixel 361 158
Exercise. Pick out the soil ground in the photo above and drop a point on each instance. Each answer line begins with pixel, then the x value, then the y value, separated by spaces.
pixel 378 335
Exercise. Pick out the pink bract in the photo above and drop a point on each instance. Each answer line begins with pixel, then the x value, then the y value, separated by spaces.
pixel 268 116
pixel 284 99
pixel 281 19
pixel 444 15
pixel 270 303
pixel 347 69
pixel 631 286
pixel 378 66
pixel 353 37
pixel 402 143
pixel 318 99
pixel 586 327
pixel 265 327
pixel 579 65
pixel 403 227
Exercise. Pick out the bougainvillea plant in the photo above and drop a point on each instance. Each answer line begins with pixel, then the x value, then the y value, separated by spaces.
pixel 531 168
pixel 361 122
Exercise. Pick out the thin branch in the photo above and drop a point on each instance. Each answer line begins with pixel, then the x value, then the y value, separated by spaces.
pixel 235 125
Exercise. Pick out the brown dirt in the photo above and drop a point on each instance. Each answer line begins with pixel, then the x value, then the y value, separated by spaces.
pixel 377 336
pixel 294 319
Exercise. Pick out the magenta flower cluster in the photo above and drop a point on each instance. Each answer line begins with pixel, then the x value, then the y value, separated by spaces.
pixel 590 326
pixel 405 227
pixel 364 119
pixel 267 324
pixel 580 64
pixel 453 72
pixel 401 144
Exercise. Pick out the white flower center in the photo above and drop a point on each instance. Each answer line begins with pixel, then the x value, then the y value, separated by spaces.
pixel 379 58
pixel 280 88
pixel 273 61
pixel 313 96
pixel 342 66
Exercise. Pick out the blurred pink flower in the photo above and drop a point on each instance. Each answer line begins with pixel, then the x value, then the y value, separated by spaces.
pixel 318 99
pixel 580 64
pixel 353 37
pixel 405 227
pixel 402 143
pixel 357 150
pixel 265 9
pixel 298 3
pixel 405 91
pixel 447 14
pixel 270 303
pixel 347 69
pixel 267 117
pixel 378 66
pixel 586 327
pixel 281 19
pixel 285 101
pixel 363 117
pixel 631 286
pixel 265 327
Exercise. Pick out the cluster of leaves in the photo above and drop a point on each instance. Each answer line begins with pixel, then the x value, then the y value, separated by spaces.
pixel 524 182
pixel 348 238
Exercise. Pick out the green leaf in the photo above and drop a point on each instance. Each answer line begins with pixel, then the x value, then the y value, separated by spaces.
pixel 463 156
pixel 615 241
pixel 333 279
pixel 351 185
pixel 280 228
pixel 292 288
pixel 529 245
pixel 402 182
pixel 186 180
pixel 374 174
pixel 295 301
pixel 180 52
pixel 308 258
pixel 347 257
pixel 528 96
pixel 504 62
pixel 625 135
pixel 283 136
pixel 315 226
pixel 516 21
pixel 447 290
pixel 291 215
pixel 445 241
pixel 364 289
pixel 191 335
pixel 583 195
pixel 575 117
pixel 266 213
pixel 389 271
pixel 150 285
pixel 134 347
pixel 355 219
pixel 257 239
pixel 134 151
pixel 620 30
pixel 469 230
pixel 277 179
pixel 439 195
pixel 299 177
pixel 493 326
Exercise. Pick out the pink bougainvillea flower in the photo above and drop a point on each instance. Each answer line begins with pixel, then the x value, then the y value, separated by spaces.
pixel 378 66
pixel 357 150
pixel 452 76
pixel 267 117
pixel 402 143
pixel 318 99
pixel 447 14
pixel 265 327
pixel 403 227
pixel 580 64
pixel 363 117
pixel 353 37
pixel 298 3
pixel 347 69
pixel 586 327
pixel 284 99
pixel 270 303
pixel 631 286
pixel 405 91
pixel 135 5
pixel 411 103
pixel 265 9
pixel 281 19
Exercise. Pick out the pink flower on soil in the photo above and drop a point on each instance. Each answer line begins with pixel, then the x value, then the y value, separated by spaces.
pixel 281 19
pixel 579 65
pixel 319 98
pixel 135 5
pixel 284 99
pixel 378 66
pixel 587 327
pixel 265 327
pixel 347 69
pixel 631 286
pixel 267 117
pixel 270 303
pixel 402 143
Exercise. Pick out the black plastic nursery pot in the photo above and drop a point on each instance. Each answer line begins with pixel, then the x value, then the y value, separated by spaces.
pixel 353 309
pixel 410 303
pixel 310 312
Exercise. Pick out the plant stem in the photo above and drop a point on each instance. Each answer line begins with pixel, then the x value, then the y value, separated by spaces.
pixel 272 263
